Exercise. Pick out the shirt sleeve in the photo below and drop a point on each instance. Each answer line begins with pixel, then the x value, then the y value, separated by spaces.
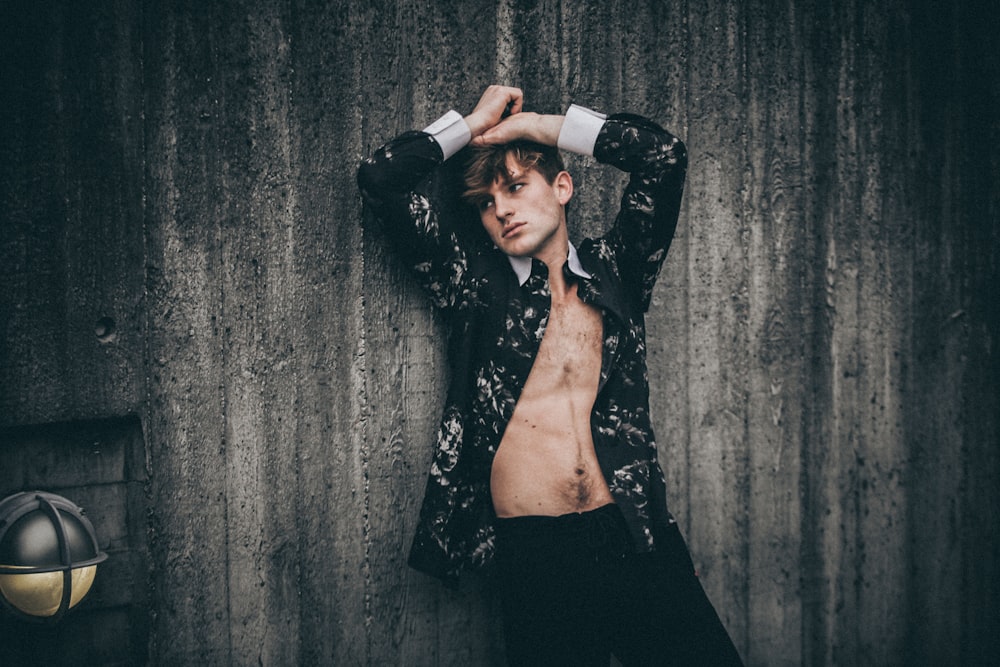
pixel 656 162
pixel 406 193
pixel 580 129
pixel 451 132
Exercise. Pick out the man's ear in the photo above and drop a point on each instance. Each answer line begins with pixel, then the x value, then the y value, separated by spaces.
pixel 564 187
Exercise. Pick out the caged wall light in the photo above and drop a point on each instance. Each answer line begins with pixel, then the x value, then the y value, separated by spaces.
pixel 48 555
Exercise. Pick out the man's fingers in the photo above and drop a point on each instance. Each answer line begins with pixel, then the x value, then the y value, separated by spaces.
pixel 500 99
pixel 496 103
pixel 517 103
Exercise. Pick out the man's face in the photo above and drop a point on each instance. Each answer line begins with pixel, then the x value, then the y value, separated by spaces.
pixel 524 215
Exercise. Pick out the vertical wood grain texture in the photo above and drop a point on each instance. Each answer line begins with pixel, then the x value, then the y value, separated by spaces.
pixel 71 202
pixel 331 489
pixel 822 341
pixel 773 203
pixel 186 204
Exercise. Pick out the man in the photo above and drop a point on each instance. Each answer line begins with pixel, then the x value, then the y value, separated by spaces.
pixel 546 458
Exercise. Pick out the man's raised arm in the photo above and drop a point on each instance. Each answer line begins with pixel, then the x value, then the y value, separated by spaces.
pixel 418 227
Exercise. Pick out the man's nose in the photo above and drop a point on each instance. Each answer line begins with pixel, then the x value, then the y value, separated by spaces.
pixel 504 209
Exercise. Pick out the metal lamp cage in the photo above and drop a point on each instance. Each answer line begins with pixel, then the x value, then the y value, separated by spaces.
pixel 42 532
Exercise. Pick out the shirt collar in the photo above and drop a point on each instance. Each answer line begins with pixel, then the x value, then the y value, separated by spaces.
pixel 522 266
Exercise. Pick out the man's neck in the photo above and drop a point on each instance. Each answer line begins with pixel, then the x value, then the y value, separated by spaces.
pixel 571 261
pixel 558 285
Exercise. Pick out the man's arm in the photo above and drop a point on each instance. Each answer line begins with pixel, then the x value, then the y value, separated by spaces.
pixel 656 162
pixel 422 230
pixel 540 128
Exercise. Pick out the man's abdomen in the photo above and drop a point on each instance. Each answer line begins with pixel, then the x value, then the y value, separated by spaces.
pixel 546 463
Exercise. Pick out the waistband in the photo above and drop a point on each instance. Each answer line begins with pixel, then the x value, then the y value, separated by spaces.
pixel 603 525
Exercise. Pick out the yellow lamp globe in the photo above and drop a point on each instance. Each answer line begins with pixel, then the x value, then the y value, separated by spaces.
pixel 40 593
pixel 48 555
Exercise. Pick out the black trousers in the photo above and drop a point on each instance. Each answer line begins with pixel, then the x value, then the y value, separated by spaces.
pixel 575 591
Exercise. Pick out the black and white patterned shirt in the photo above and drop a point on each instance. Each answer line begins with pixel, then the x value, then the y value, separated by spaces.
pixel 498 317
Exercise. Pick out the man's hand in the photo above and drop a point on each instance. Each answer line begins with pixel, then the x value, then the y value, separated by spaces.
pixel 542 129
pixel 490 109
pixel 489 126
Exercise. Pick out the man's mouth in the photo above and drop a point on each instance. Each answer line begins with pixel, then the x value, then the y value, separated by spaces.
pixel 513 227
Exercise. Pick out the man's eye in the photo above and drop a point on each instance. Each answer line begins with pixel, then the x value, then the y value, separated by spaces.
pixel 514 187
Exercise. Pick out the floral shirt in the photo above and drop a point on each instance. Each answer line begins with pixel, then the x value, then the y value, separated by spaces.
pixel 497 323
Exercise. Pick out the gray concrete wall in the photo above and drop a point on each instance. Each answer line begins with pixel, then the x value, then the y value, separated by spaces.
pixel 181 241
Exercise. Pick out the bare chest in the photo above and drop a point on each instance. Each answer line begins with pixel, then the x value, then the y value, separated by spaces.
pixel 570 351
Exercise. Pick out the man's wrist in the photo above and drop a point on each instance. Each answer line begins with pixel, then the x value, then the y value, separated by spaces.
pixel 548 129
pixel 477 124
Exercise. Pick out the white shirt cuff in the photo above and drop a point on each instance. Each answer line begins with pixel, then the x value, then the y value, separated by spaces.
pixel 580 129
pixel 451 132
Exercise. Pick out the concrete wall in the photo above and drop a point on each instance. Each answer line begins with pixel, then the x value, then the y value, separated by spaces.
pixel 180 241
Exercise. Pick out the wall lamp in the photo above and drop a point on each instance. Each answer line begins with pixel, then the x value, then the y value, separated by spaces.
pixel 48 555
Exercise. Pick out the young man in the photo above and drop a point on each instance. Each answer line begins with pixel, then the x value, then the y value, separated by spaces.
pixel 546 462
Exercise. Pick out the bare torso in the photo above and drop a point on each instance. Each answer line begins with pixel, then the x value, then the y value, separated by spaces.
pixel 546 463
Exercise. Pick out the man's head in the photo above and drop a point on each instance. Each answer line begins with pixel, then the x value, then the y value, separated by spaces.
pixel 521 191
